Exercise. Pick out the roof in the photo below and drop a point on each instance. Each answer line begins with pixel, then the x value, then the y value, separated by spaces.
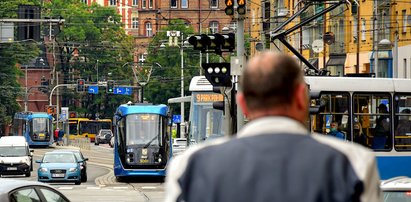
pixel 126 109
pixel 200 83
pixel 9 184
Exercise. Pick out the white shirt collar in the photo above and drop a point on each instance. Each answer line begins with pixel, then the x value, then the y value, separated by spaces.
pixel 272 124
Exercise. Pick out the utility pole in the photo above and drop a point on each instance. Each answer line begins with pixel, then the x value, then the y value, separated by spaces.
pixel 241 57
pixel 375 38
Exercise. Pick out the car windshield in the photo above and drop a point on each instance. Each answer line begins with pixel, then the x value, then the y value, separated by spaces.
pixel 105 132
pixel 397 196
pixel 59 158
pixel 9 151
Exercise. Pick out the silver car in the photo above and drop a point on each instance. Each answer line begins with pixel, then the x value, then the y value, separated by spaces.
pixel 103 136
pixel 397 189
pixel 23 190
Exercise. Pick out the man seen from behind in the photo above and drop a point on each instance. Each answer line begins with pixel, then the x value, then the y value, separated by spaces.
pixel 274 157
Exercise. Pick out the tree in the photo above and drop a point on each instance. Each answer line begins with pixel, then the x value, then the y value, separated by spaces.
pixel 165 81
pixel 92 43
pixel 11 56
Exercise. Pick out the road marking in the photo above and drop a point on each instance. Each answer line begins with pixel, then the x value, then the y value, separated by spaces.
pixel 93 188
pixel 120 187
pixel 65 188
pixel 148 187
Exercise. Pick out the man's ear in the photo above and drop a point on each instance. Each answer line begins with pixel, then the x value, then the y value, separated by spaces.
pixel 301 96
pixel 241 101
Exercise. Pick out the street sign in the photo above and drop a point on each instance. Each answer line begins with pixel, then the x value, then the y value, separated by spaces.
pixel 64 113
pixel 176 118
pixel 123 90
pixel 93 89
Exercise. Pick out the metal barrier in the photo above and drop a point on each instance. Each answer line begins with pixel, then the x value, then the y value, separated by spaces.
pixel 82 143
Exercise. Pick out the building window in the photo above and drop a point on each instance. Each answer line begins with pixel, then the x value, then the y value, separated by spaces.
pixel 354 31
pixel 143 3
pixel 113 2
pixel 184 3
pixel 405 68
pixel 404 21
pixel 213 3
pixel 173 3
pixel 149 29
pixel 134 23
pixel 214 27
pixel 363 30
pixel 150 3
pixel 135 2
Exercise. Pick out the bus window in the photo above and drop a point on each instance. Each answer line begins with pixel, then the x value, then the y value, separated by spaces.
pixel 373 116
pixel 334 107
pixel 402 122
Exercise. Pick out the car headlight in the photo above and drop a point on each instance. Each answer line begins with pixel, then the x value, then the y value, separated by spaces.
pixel 43 170
pixel 72 169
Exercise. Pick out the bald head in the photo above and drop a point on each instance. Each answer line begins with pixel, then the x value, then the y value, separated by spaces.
pixel 271 81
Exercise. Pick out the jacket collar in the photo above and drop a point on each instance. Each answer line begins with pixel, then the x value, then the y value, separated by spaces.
pixel 272 124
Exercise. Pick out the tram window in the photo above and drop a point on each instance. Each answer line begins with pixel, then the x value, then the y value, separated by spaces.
pixel 334 107
pixel 402 122
pixel 373 120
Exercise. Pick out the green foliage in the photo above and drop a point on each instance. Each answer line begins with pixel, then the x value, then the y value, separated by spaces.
pixel 166 81
pixel 103 47
pixel 11 55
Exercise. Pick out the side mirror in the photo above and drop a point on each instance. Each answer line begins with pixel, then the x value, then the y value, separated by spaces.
pixel 85 159
pixel 38 161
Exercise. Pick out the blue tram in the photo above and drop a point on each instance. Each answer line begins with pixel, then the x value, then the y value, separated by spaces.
pixel 36 127
pixel 142 140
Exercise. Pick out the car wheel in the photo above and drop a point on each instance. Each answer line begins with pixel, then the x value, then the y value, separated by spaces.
pixel 119 179
pixel 84 178
pixel 96 142
pixel 28 174
pixel 78 182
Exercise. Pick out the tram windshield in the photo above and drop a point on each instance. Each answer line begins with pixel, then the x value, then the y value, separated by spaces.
pixel 143 129
pixel 205 122
pixel 40 125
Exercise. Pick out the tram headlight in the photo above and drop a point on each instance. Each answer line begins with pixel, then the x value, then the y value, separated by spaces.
pixel 130 150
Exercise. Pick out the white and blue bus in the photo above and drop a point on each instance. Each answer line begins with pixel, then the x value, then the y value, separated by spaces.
pixel 36 127
pixel 142 140
pixel 374 112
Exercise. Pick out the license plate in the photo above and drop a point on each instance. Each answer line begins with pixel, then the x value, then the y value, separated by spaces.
pixel 143 160
pixel 11 168
pixel 41 135
pixel 57 175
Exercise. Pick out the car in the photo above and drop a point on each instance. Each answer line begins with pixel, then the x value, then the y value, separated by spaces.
pixel 15 156
pixel 103 136
pixel 82 159
pixel 24 190
pixel 397 189
pixel 179 145
pixel 111 143
pixel 59 167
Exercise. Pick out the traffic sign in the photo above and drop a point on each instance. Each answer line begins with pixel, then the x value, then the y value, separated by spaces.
pixel 123 90
pixel 176 118
pixel 93 89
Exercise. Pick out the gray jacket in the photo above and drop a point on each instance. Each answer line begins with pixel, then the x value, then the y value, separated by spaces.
pixel 274 159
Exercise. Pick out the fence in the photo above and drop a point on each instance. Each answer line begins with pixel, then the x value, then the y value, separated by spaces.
pixel 82 143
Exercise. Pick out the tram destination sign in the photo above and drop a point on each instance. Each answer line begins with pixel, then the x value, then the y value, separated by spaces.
pixel 209 97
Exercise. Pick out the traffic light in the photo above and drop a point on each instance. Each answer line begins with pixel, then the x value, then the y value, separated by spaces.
pixel 110 86
pixel 72 114
pixel 241 10
pixel 80 85
pixel 229 10
pixel 216 42
pixel 51 110
pixel 218 74
pixel 219 105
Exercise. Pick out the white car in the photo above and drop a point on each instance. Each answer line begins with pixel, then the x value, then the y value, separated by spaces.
pixel 179 145
pixel 103 136
pixel 397 189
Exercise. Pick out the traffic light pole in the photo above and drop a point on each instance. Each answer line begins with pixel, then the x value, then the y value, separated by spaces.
pixel 241 55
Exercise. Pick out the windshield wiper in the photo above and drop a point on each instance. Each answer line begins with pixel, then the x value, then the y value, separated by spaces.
pixel 148 143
